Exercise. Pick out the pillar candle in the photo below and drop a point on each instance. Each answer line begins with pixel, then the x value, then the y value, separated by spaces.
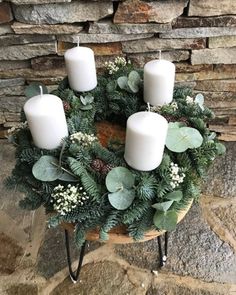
pixel 145 140
pixel 81 70
pixel 46 119
pixel 159 78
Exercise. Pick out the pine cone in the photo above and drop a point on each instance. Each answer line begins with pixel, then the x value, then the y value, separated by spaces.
pixel 66 106
pixel 106 168
pixel 97 165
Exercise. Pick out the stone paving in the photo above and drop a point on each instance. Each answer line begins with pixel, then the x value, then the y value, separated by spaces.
pixel 201 258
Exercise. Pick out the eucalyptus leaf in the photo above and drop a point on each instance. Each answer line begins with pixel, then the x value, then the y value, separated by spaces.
pixel 134 81
pixel 212 136
pixel 123 82
pixel 221 149
pixel 111 86
pixel 164 206
pixel 119 178
pixel 176 125
pixel 165 220
pixel 33 89
pixel 45 169
pixel 175 196
pixel 68 177
pixel 180 139
pixel 88 99
pixel 199 99
pixel 122 199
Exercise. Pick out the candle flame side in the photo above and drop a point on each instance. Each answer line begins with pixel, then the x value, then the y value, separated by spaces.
pixel 148 106
pixel 78 41
pixel 41 90
pixel 159 54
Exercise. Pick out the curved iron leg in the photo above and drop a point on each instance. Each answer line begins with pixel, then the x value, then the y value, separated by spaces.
pixel 74 275
pixel 161 256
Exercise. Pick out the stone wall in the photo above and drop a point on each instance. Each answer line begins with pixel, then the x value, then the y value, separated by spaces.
pixel 198 35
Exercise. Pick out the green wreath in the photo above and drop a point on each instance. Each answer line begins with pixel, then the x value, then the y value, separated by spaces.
pixel 90 185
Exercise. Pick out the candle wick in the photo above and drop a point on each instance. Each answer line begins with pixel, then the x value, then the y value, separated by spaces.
pixel 149 108
pixel 41 90
pixel 159 54
pixel 78 41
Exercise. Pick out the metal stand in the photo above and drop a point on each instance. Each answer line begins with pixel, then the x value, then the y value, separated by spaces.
pixel 162 257
pixel 74 275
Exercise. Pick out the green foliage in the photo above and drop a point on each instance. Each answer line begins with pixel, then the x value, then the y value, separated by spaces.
pixel 46 169
pixel 165 220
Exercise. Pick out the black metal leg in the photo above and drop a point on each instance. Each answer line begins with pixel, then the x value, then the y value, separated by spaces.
pixel 74 275
pixel 162 257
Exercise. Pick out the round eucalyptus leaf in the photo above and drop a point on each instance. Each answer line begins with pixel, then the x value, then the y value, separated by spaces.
pixel 122 199
pixel 88 99
pixel 111 86
pixel 191 136
pixel 175 196
pixel 221 149
pixel 33 89
pixel 180 139
pixel 164 206
pixel 44 169
pixel 119 178
pixel 123 82
pixel 133 81
pixel 176 125
pixel 165 220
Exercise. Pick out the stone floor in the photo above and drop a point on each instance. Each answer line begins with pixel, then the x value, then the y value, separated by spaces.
pixel 201 259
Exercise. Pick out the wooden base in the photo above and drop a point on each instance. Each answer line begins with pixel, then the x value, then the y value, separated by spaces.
pixel 119 235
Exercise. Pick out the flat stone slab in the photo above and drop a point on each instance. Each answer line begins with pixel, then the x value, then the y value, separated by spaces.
pixel 194 250
pixel 216 42
pixel 195 22
pixel 75 11
pixel 23 52
pixel 21 28
pixel 149 45
pixel 152 11
pixel 210 8
pixel 108 27
pixel 103 278
pixel 52 254
pixel 214 56
pixel 221 176
pixel 101 38
pixel 199 32
pixel 24 39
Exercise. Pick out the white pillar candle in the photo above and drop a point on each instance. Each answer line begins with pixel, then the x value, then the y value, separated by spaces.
pixel 81 69
pixel 159 78
pixel 145 140
pixel 46 119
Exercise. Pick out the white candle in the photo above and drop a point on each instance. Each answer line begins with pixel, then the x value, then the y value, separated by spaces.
pixel 81 69
pixel 159 78
pixel 46 119
pixel 145 140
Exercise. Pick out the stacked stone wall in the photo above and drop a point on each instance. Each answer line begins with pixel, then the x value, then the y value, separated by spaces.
pixel 198 35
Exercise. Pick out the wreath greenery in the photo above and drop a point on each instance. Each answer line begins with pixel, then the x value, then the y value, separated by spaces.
pixel 87 182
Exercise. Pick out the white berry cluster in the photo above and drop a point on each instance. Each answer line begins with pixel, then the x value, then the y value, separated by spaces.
pixel 177 175
pixel 113 67
pixel 65 199
pixel 189 100
pixel 83 138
